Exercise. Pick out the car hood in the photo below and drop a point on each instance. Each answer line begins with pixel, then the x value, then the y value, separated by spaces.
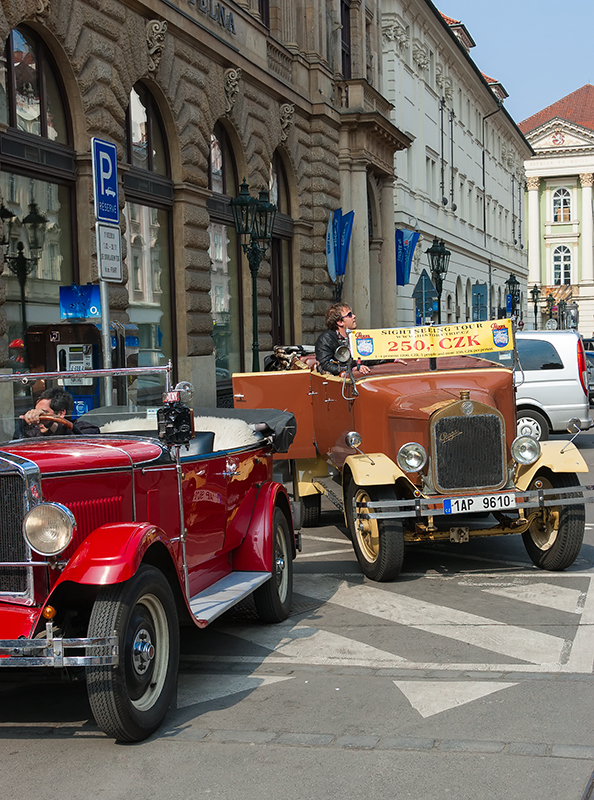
pixel 75 453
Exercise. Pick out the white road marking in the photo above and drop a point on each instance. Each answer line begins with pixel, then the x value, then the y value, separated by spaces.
pixel 581 658
pixel 510 640
pixel 546 595
pixel 327 553
pixel 433 697
pixel 307 644
pixel 192 688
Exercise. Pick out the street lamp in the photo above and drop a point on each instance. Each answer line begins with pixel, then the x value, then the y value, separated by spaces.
pixel 254 219
pixel 20 266
pixel 513 289
pixel 561 306
pixel 535 292
pixel 439 260
pixel 550 304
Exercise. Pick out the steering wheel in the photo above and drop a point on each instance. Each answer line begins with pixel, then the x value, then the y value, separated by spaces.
pixel 60 420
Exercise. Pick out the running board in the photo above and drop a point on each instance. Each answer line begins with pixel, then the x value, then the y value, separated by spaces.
pixel 328 486
pixel 224 594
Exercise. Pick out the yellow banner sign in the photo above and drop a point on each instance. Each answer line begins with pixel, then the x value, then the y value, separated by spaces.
pixel 465 338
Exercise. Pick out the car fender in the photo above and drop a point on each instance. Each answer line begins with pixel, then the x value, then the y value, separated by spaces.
pixel 112 553
pixel 373 469
pixel 555 456
pixel 307 470
pixel 255 552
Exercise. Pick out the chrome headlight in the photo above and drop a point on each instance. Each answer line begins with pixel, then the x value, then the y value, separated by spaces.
pixel 411 457
pixel 353 439
pixel 48 528
pixel 525 450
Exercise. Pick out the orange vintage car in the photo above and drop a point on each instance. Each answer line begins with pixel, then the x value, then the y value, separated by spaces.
pixel 423 449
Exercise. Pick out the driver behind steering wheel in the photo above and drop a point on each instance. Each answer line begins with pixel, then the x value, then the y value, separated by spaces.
pixel 54 402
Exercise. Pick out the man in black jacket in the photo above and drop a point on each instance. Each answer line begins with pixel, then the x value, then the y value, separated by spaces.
pixel 340 319
pixel 55 403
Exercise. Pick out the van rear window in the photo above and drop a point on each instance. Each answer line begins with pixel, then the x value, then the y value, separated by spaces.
pixel 535 354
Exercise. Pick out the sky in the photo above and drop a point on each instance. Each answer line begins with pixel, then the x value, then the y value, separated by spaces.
pixel 540 51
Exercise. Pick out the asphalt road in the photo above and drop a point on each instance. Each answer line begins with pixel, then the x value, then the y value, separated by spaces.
pixel 468 677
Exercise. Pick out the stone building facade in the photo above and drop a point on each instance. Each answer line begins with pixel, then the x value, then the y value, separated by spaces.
pixel 560 177
pixel 196 95
pixel 462 178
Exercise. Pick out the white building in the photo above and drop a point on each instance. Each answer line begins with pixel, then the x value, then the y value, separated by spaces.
pixel 462 178
pixel 560 221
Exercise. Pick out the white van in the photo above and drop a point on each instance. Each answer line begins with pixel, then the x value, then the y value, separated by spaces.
pixel 551 382
pixel 551 378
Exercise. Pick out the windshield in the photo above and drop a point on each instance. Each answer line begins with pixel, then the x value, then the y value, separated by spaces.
pixel 89 400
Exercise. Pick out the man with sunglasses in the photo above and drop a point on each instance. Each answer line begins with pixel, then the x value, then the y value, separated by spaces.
pixel 340 319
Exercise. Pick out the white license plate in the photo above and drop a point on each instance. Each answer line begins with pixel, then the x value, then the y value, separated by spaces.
pixel 479 502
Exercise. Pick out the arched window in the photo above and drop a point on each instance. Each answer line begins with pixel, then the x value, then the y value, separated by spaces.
pixel 283 329
pixel 225 266
pixel 37 176
pixel 561 205
pixel 149 199
pixel 561 265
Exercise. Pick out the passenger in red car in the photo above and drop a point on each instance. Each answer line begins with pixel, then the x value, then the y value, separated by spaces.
pixel 56 403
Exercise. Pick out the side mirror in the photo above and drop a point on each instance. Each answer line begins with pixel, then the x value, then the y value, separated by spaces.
pixel 574 425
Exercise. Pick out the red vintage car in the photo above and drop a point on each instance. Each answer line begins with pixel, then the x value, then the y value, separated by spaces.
pixel 423 449
pixel 110 540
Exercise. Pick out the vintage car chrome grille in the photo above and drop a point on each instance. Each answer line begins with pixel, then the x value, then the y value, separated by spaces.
pixel 13 580
pixel 468 452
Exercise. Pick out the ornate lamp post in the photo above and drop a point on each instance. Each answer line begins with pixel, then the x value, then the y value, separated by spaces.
pixel 254 219
pixel 439 261
pixel 535 292
pixel 550 304
pixel 19 264
pixel 513 289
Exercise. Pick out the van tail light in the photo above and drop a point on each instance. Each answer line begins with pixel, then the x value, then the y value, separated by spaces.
pixel 582 368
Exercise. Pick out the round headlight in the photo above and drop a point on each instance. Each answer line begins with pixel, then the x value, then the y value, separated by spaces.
pixel 353 439
pixel 411 457
pixel 525 449
pixel 48 528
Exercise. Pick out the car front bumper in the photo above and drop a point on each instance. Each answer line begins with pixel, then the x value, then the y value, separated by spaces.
pixel 50 651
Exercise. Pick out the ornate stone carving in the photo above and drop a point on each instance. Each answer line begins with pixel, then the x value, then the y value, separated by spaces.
pixel 155 39
pixel 533 183
pixel 448 89
pixel 396 32
pixel 286 119
pixel 42 9
pixel 232 78
pixel 587 179
pixel 420 54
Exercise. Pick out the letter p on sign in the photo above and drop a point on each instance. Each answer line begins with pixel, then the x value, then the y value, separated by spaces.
pixel 105 181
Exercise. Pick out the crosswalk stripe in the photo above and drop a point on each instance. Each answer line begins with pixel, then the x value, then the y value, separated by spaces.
pixel 304 643
pixel 545 595
pixel 510 640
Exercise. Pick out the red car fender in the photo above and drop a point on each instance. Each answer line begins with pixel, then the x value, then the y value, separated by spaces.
pixel 255 552
pixel 112 553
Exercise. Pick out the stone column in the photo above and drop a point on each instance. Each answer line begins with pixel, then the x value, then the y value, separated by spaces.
pixel 388 257
pixel 587 226
pixel 359 254
pixel 534 266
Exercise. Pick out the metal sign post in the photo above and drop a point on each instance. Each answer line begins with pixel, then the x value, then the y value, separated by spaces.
pixel 107 211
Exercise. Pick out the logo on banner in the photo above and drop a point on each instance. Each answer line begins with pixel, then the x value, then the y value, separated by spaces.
pixel 500 335
pixel 364 346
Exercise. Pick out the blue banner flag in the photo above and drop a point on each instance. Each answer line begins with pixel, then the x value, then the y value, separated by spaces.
pixel 338 240
pixel 406 241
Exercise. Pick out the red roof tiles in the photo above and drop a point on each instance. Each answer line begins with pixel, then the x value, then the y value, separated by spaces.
pixel 577 107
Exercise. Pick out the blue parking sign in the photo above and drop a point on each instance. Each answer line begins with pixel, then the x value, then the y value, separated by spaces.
pixel 105 181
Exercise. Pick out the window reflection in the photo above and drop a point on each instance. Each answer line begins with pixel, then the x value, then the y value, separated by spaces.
pixel 146 145
pixel 224 299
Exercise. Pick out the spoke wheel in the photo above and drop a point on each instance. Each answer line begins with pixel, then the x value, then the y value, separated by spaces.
pixel 378 543
pixel 130 701
pixel 554 539
pixel 273 599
